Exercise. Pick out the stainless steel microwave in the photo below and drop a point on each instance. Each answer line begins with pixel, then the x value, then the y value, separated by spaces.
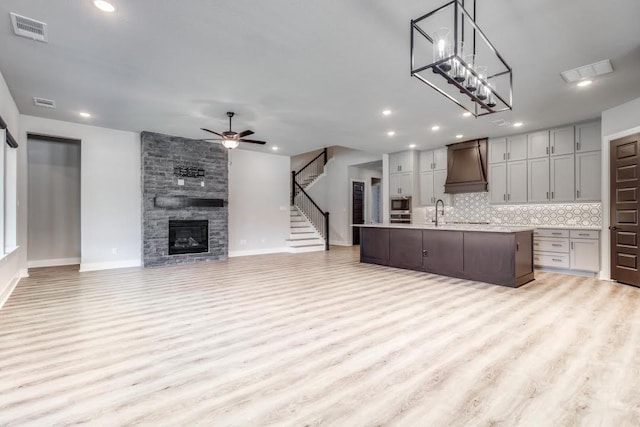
pixel 401 204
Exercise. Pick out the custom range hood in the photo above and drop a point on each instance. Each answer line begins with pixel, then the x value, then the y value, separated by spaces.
pixel 466 167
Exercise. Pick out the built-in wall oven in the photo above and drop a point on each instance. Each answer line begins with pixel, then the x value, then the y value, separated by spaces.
pixel 400 210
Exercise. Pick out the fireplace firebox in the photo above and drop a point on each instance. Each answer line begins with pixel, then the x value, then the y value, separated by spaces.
pixel 188 237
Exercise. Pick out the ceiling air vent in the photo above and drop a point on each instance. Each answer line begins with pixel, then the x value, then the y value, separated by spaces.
pixel 587 71
pixel 41 102
pixel 29 28
pixel 501 123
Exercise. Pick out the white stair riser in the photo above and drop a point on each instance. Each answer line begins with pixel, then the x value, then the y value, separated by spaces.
pixel 319 248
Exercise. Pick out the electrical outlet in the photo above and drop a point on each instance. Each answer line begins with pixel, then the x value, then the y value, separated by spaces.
pixel 201 183
pixel 181 182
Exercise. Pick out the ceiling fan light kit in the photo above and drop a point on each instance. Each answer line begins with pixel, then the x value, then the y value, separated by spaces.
pixel 461 63
pixel 230 139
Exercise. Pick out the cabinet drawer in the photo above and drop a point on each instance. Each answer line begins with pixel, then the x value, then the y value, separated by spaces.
pixel 551 245
pixel 584 234
pixel 551 260
pixel 550 232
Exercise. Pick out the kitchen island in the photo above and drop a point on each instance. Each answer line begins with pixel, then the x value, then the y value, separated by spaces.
pixel 499 255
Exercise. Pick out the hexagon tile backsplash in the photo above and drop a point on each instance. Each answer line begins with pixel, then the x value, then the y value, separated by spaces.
pixel 475 207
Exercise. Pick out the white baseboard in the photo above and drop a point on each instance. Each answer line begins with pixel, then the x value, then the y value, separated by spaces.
pixel 52 262
pixel 6 293
pixel 108 265
pixel 339 243
pixel 258 252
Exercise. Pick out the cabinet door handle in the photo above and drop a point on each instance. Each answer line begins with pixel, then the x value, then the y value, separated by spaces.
pixel 556 260
pixel 552 195
pixel 571 245
pixel 547 150
pixel 399 190
pixel 504 156
pixel 508 156
pixel 547 195
pixel 399 168
pixel 504 197
pixel 517 246
pixel 553 149
pixel 557 234
pixel 578 193
pixel 555 245
pixel 583 234
pixel 508 196
pixel 425 253
pixel 578 146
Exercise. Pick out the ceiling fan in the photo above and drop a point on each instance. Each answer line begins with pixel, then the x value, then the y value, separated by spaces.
pixel 230 139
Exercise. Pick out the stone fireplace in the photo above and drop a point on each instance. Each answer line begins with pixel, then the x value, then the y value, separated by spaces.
pixel 184 194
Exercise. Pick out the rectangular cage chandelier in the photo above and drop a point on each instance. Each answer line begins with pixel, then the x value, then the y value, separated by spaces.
pixel 451 54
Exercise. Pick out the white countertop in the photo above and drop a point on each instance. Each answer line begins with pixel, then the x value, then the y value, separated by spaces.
pixel 488 228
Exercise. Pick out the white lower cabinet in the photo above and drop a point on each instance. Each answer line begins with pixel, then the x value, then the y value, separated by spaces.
pixel 585 251
pixel 577 250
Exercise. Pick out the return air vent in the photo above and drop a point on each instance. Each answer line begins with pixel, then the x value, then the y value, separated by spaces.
pixel 29 28
pixel 41 102
pixel 587 71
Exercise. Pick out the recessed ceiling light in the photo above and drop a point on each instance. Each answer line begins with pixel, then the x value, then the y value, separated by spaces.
pixel 104 6
pixel 85 115
pixel 466 114
pixel 435 128
pixel 584 83
pixel 386 112
pixel 459 135
pixel 391 133
pixel 274 148
pixel 412 145
pixel 517 124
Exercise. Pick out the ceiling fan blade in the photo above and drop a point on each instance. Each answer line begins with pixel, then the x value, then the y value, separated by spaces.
pixel 245 133
pixel 210 139
pixel 210 131
pixel 253 141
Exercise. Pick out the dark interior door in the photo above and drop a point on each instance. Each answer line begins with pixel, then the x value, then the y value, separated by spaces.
pixel 625 204
pixel 357 209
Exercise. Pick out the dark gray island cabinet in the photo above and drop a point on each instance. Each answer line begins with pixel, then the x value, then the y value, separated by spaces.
pixel 498 255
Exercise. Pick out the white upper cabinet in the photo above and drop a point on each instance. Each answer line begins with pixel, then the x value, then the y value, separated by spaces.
pixel 588 176
pixel 498 183
pixel 440 159
pixel 497 150
pixel 401 184
pixel 588 137
pixel 433 160
pixel 538 144
pixel 539 180
pixel 517 182
pixel 562 141
pixel 439 179
pixel 517 147
pixel 401 162
pixel 427 196
pixel 562 178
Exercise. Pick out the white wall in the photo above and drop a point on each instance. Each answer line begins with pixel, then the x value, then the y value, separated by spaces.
pixel 333 191
pixel 364 174
pixel 110 191
pixel 54 203
pixel 617 122
pixel 258 203
pixel 12 265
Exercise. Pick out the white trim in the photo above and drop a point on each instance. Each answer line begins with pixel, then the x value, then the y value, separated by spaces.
pixel 340 243
pixel 52 262
pixel 24 272
pixel 233 254
pixel 6 293
pixel 605 238
pixel 108 265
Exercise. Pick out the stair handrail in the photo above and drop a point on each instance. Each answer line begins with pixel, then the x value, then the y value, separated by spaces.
pixel 322 153
pixel 323 228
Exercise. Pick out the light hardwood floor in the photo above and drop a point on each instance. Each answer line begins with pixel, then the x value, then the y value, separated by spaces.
pixel 316 339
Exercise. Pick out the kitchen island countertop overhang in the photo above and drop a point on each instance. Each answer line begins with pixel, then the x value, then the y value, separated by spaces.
pixel 501 255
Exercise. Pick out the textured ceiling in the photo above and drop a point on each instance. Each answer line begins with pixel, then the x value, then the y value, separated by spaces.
pixel 306 74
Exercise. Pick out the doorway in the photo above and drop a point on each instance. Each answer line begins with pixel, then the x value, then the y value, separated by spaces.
pixel 624 202
pixel 376 200
pixel 357 209
pixel 53 228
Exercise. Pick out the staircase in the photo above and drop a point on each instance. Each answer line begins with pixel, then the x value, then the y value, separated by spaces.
pixel 309 229
pixel 303 236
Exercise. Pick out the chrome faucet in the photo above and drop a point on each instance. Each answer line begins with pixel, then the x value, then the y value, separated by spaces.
pixel 439 201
